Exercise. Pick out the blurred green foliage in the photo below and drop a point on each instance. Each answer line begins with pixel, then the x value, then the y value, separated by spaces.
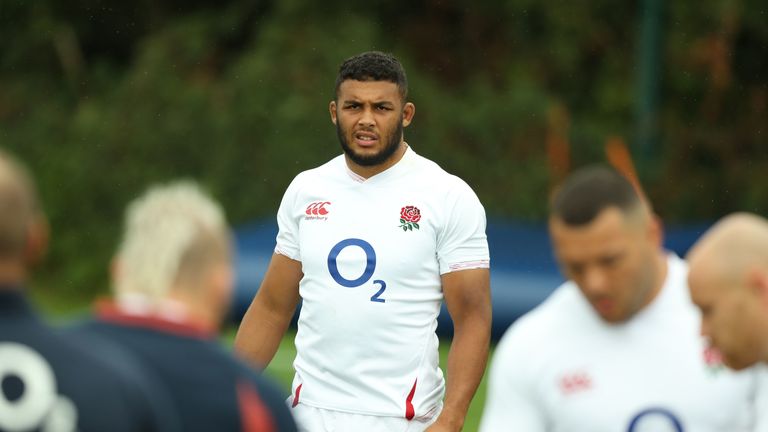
pixel 102 98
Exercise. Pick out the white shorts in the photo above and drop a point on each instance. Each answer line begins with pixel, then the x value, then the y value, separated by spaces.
pixel 311 419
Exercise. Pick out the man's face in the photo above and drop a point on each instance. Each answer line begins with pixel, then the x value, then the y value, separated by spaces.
pixel 728 314
pixel 611 259
pixel 369 118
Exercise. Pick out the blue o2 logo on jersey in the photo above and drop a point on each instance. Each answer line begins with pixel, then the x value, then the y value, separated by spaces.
pixel 370 267
pixel 656 420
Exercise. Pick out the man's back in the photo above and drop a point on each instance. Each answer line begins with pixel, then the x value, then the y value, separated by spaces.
pixel 51 382
pixel 210 389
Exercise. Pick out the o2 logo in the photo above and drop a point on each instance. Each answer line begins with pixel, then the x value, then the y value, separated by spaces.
pixel 370 267
pixel 28 395
pixel 655 420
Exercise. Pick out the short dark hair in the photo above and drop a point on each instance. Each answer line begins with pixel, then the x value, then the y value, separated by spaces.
pixel 589 191
pixel 373 66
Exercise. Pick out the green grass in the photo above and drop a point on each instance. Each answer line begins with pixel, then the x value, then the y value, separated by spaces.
pixel 281 369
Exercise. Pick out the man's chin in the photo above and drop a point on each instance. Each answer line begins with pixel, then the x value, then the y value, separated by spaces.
pixel 367 157
pixel 736 363
pixel 365 160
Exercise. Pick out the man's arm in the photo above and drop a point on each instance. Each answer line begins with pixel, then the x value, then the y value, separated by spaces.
pixel 512 402
pixel 269 314
pixel 468 299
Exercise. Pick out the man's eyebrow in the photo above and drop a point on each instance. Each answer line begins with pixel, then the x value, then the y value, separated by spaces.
pixel 375 103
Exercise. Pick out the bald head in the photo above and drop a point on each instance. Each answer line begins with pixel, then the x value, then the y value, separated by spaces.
pixel 19 209
pixel 728 280
pixel 734 243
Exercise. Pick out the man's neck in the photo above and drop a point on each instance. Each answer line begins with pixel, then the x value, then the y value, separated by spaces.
pixel 193 309
pixel 661 268
pixel 367 172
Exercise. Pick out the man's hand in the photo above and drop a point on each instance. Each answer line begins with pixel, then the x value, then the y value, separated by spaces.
pixel 443 426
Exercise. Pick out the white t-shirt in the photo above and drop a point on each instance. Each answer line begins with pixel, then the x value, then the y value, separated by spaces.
pixel 561 368
pixel 371 289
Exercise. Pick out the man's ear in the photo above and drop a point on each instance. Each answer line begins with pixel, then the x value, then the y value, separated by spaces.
pixel 332 109
pixel 409 110
pixel 656 230
pixel 757 281
pixel 219 291
pixel 38 236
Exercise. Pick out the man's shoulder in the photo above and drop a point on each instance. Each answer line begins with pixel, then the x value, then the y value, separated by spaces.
pixel 156 345
pixel 335 166
pixel 559 314
pixel 436 175
pixel 319 178
pixel 98 338
pixel 114 370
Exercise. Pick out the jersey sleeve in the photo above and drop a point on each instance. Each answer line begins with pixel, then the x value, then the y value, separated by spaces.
pixel 512 402
pixel 288 224
pixel 462 243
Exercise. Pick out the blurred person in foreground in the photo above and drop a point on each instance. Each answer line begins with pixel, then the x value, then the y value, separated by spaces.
pixel 729 283
pixel 172 281
pixel 51 382
pixel 616 347
pixel 373 242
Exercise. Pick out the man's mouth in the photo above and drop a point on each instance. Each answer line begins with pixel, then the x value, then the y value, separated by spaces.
pixel 604 305
pixel 366 139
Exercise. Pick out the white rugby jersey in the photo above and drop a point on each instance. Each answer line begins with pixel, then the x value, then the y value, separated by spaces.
pixel 561 368
pixel 372 252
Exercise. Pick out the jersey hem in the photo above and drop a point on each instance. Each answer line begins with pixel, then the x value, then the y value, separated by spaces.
pixel 367 413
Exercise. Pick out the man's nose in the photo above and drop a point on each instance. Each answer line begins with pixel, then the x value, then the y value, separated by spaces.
pixel 366 118
pixel 595 282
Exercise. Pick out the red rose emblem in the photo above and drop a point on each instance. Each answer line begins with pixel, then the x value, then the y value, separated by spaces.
pixel 712 356
pixel 410 214
pixel 713 360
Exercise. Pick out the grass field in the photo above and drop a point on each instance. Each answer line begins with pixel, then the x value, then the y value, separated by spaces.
pixel 281 369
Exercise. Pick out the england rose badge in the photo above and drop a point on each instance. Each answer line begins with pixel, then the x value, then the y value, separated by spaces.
pixel 409 218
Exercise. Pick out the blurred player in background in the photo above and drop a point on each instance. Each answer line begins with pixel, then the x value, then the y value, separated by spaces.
pixel 729 283
pixel 372 242
pixel 50 382
pixel 617 347
pixel 172 280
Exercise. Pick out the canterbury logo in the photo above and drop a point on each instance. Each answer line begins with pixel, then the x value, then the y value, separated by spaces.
pixel 318 208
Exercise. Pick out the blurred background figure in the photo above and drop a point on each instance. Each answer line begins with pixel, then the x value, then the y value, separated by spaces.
pixel 50 382
pixel 729 283
pixel 616 347
pixel 172 281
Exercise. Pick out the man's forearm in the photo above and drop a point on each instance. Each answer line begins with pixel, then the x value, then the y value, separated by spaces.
pixel 467 359
pixel 259 335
